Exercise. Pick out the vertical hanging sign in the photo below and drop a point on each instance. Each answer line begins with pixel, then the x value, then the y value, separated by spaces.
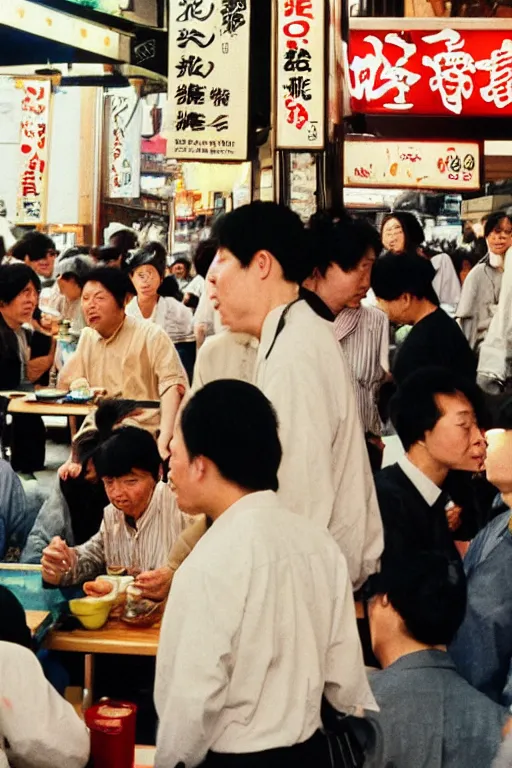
pixel 208 79
pixel 300 90
pixel 33 178
pixel 124 121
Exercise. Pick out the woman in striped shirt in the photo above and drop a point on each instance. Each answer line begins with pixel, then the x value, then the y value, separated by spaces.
pixel 140 525
pixel 345 250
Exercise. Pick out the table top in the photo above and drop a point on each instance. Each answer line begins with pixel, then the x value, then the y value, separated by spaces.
pixel 27 405
pixel 114 637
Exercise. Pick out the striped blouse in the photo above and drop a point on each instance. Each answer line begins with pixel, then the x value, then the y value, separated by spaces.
pixel 142 547
pixel 363 334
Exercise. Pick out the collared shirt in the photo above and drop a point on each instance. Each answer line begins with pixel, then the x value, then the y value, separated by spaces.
pixel 325 473
pixel 363 334
pixel 226 355
pixel 430 717
pixel 143 546
pixel 174 317
pixel 272 628
pixel 37 726
pixel 139 362
pixel 495 360
pixel 428 489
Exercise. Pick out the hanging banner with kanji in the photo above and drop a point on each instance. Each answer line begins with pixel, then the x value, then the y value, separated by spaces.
pixel 208 79
pixel 33 169
pixel 124 122
pixel 300 86
pixel 439 73
pixel 450 165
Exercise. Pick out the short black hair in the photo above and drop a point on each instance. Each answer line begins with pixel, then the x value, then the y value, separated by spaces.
pixel 114 281
pixel 413 407
pixel 128 448
pixel 429 592
pixel 413 231
pixel 151 254
pixel 204 255
pixel 184 262
pixel 343 241
pixel 460 255
pixel 14 278
pixel 267 227
pixel 34 245
pixel 110 413
pixel 395 274
pixel 234 425
pixel 494 220
pixel 124 240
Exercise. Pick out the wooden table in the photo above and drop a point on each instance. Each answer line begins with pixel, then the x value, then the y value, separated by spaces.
pixel 27 405
pixel 114 637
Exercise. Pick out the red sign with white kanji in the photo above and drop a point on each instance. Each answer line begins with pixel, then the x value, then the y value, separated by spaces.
pixel 440 73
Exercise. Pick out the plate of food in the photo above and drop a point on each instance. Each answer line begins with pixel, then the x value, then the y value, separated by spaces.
pixel 50 395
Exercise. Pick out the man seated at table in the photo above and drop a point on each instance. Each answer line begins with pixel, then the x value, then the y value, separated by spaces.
pixel 38 728
pixel 260 621
pixel 139 528
pixel 435 414
pixel 429 715
pixel 126 357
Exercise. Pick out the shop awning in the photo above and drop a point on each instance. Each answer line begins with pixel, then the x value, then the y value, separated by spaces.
pixel 33 34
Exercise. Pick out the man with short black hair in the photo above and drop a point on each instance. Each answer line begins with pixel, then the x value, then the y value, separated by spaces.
pixel 325 474
pixel 429 716
pixel 435 414
pixel 403 287
pixel 38 251
pixel 260 621
pixel 134 359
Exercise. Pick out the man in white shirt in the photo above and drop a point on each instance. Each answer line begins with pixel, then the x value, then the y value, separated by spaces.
pixel 260 621
pixel 325 472
pixel 38 728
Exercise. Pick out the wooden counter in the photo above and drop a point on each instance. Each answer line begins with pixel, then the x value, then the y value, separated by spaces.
pixel 26 405
pixel 114 637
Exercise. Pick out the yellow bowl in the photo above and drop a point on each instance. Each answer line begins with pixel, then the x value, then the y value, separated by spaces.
pixel 91 612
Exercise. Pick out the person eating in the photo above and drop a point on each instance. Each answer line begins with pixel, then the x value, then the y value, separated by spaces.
pixel 139 527
pixel 126 357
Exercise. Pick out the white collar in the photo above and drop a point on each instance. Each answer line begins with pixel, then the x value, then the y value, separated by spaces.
pixel 429 490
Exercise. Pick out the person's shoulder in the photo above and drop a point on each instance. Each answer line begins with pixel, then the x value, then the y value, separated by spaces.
pixel 16 656
pixel 391 475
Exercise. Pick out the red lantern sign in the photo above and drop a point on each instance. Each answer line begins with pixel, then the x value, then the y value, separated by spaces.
pixel 445 72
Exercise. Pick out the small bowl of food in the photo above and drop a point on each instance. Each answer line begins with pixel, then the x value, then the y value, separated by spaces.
pixel 139 611
pixel 49 395
pixel 91 612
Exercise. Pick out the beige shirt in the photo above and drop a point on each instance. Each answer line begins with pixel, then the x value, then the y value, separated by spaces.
pixel 226 355
pixel 325 472
pixel 139 362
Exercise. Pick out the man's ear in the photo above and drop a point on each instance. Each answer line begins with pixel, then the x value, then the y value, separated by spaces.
pixel 264 261
pixel 200 465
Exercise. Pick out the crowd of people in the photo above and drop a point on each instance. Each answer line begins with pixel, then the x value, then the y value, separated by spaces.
pixel 234 467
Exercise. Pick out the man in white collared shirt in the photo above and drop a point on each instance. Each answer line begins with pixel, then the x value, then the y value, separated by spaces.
pixel 435 415
pixel 325 473
pixel 260 621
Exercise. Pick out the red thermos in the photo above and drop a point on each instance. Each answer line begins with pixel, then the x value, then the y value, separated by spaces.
pixel 112 726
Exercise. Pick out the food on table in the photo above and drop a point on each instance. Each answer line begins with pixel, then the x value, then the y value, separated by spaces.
pixel 98 588
pixel 91 612
pixel 139 611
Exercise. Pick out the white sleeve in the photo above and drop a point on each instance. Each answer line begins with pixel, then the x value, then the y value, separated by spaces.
pixel 193 663
pixel 42 729
pixel 346 683
pixel 384 345
pixel 306 433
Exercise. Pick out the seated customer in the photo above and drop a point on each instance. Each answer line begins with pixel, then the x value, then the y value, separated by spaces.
pixel 482 649
pixel 25 357
pixel 38 728
pixel 17 515
pixel 429 715
pixel 140 525
pixel 74 509
pixel 403 287
pixel 435 414
pixel 71 272
pixel 126 357
pixel 260 621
